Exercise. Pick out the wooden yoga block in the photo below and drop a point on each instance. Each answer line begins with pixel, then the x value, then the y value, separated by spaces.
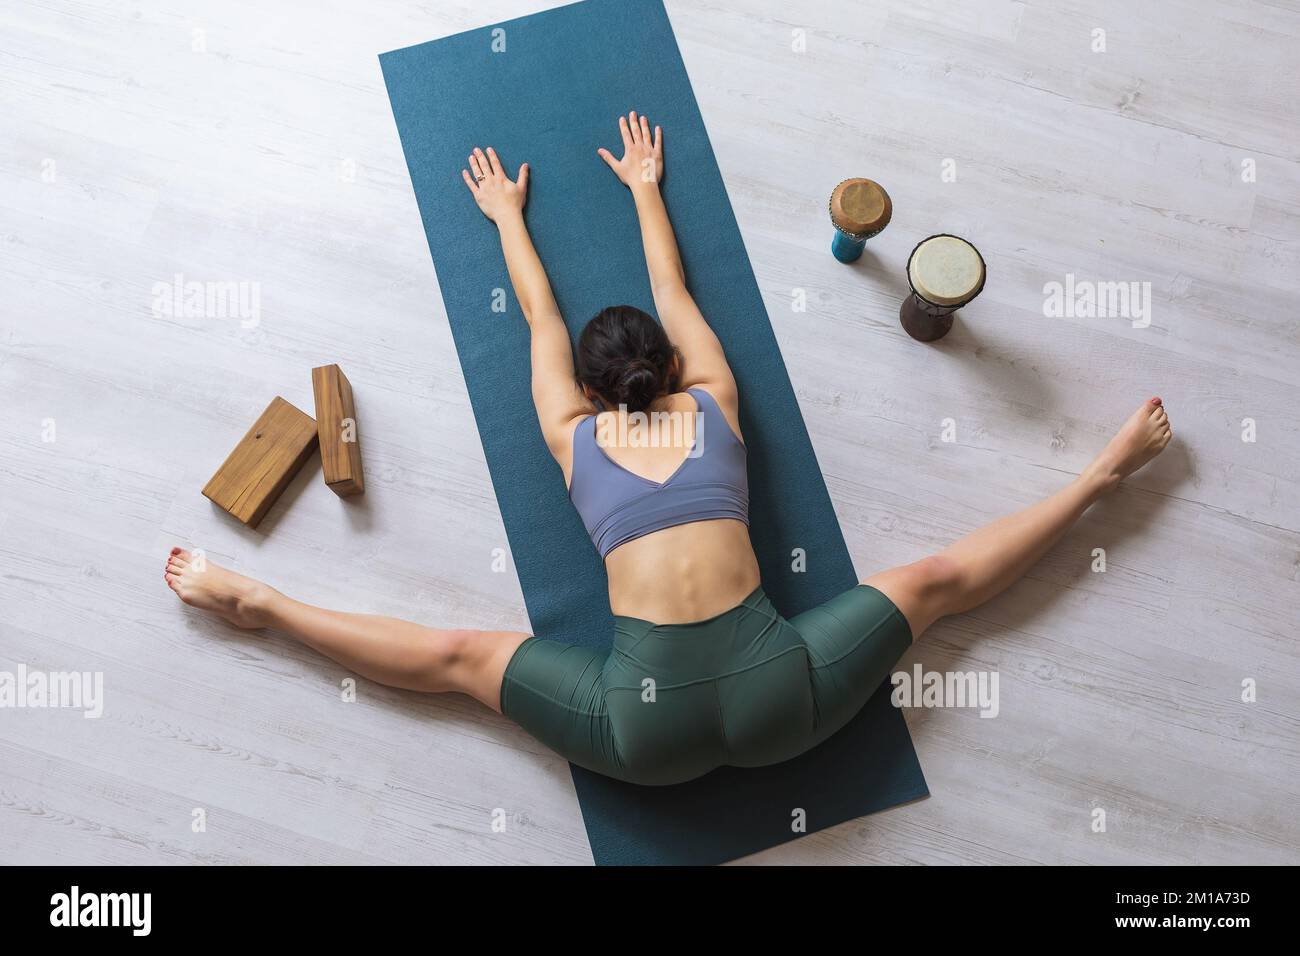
pixel 336 423
pixel 264 462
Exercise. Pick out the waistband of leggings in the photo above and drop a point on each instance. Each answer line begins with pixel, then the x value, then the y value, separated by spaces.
pixel 755 602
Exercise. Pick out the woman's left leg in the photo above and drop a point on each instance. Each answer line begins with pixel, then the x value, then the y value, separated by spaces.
pixel 383 649
pixel 988 561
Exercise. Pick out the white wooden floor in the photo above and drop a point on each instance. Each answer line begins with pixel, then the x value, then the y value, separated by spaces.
pixel 269 155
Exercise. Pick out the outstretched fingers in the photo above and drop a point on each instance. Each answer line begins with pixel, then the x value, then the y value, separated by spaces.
pixel 475 170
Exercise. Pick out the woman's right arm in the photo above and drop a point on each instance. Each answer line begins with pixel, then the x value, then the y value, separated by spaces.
pixel 703 361
pixel 556 395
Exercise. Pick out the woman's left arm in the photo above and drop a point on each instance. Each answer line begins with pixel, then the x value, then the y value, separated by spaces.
pixel 556 395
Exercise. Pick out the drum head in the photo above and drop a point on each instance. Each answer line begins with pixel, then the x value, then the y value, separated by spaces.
pixel 946 270
pixel 860 207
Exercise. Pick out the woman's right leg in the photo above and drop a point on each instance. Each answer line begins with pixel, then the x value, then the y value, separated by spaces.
pixel 988 561
pixel 383 649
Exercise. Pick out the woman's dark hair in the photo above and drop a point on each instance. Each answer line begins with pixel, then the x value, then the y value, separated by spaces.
pixel 624 356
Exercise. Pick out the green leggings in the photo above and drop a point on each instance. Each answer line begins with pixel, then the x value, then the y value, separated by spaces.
pixel 672 702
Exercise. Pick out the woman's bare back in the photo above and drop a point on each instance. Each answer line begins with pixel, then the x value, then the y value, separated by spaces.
pixel 684 573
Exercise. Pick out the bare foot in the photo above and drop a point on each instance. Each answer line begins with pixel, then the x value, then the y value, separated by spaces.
pixel 202 584
pixel 1141 438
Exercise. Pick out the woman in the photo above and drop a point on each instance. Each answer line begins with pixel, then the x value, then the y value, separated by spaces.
pixel 704 671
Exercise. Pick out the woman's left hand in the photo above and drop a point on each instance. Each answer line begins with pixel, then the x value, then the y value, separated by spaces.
pixel 497 196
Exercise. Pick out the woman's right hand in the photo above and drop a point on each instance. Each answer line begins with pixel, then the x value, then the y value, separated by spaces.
pixel 498 196
pixel 643 157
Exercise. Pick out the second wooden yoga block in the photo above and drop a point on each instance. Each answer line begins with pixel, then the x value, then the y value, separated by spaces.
pixel 340 445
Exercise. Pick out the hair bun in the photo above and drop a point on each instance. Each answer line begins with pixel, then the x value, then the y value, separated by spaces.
pixel 638 384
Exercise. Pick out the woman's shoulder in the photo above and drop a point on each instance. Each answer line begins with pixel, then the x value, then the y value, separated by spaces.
pixel 724 400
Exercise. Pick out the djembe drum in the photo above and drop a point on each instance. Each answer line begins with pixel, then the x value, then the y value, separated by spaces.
pixel 860 208
pixel 945 273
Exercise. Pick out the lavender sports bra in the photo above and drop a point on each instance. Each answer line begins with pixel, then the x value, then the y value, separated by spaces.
pixel 618 506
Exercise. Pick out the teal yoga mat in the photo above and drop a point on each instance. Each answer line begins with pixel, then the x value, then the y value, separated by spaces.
pixel 548 89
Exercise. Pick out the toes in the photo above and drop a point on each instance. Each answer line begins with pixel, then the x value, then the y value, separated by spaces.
pixel 172 580
pixel 176 566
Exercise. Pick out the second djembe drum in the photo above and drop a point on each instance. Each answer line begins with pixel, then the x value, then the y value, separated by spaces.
pixel 945 273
